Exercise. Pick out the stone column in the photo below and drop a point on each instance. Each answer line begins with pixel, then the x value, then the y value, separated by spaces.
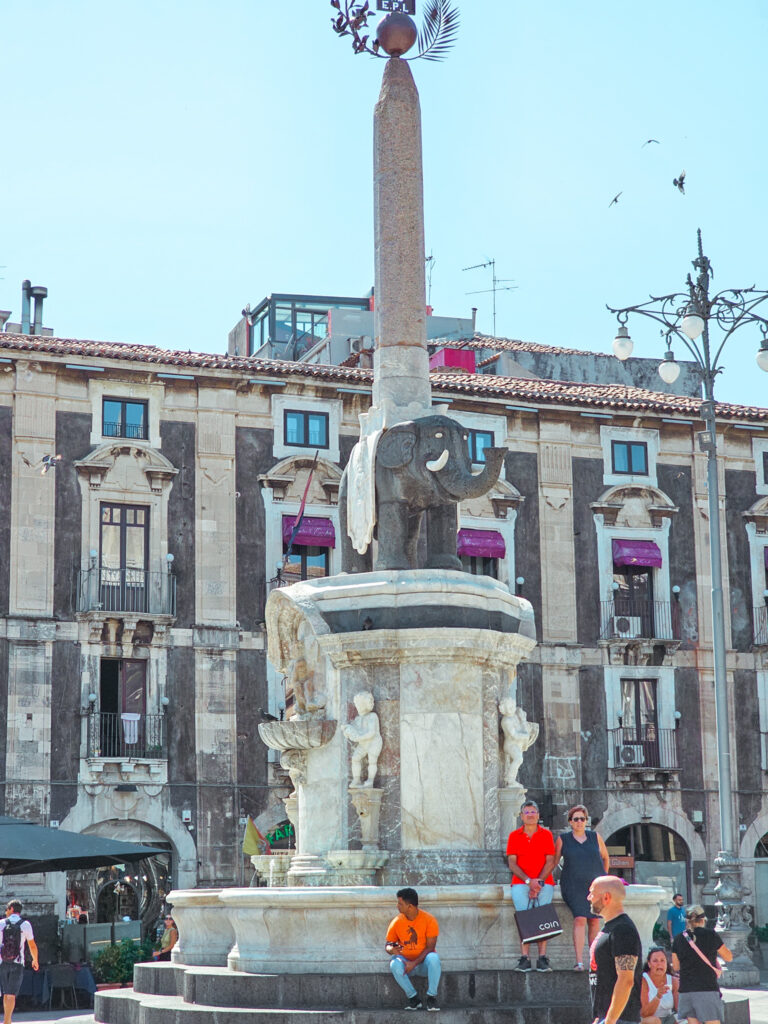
pixel 401 387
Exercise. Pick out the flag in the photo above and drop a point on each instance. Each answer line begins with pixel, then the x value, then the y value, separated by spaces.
pixel 300 516
pixel 253 841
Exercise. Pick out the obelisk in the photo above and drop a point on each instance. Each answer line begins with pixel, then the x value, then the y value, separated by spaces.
pixel 401 387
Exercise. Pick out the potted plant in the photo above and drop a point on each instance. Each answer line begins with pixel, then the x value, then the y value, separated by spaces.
pixel 113 966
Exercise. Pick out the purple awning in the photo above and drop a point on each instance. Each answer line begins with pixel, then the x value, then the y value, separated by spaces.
pixel 314 531
pixel 482 543
pixel 636 552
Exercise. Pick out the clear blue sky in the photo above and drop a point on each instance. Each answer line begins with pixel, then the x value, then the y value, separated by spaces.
pixel 165 162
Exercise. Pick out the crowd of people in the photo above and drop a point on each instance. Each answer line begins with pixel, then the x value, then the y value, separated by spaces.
pixel 626 987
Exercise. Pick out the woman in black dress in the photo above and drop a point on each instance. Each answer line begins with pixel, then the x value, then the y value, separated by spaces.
pixel 694 955
pixel 585 858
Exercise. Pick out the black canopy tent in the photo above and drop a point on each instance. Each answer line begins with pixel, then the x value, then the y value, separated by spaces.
pixel 26 848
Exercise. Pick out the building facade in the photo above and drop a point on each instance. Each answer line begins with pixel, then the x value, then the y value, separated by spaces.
pixel 147 500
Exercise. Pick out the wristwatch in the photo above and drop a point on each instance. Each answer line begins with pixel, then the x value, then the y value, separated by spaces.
pixel 527 881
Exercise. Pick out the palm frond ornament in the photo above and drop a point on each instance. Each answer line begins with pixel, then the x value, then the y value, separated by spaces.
pixel 396 33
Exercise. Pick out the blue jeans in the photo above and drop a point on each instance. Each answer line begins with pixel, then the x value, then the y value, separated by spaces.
pixel 429 968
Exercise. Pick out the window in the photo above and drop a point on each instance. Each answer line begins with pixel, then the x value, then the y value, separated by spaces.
pixel 479 565
pixel 306 429
pixel 629 457
pixel 478 441
pixel 306 562
pixel 633 598
pixel 123 557
pixel 122 418
pixel 638 708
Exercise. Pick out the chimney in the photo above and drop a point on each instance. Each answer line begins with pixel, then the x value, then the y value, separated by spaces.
pixel 26 288
pixel 38 294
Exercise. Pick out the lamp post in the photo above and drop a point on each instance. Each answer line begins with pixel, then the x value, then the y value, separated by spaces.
pixel 688 316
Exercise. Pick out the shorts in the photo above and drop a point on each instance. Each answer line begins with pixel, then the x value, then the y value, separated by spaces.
pixel 701 1005
pixel 521 897
pixel 11 977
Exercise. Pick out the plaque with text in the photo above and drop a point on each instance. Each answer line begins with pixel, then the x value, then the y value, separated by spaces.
pixel 402 6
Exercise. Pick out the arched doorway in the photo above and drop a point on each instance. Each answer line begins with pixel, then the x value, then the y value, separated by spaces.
pixel 651 854
pixel 137 891
pixel 761 881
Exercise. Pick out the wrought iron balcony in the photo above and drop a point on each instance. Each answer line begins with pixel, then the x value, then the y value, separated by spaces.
pixel 126 736
pixel 624 619
pixel 760 625
pixel 117 428
pixel 126 590
pixel 646 747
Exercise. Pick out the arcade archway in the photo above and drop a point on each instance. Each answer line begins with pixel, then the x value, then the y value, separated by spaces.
pixel 651 854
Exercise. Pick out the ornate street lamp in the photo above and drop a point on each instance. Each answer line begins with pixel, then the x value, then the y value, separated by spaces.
pixel 688 316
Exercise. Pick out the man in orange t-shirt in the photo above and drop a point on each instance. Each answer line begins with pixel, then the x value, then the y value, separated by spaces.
pixel 411 941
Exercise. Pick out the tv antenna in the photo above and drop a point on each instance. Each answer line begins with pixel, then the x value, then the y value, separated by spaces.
pixel 499 284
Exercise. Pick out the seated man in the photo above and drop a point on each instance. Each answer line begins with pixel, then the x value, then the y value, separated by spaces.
pixel 411 941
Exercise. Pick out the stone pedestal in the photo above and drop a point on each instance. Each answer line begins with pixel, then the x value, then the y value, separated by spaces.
pixel 439 651
pixel 367 803
pixel 510 801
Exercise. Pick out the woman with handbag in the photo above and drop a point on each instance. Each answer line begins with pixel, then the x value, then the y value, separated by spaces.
pixel 694 956
pixel 585 858
pixel 659 990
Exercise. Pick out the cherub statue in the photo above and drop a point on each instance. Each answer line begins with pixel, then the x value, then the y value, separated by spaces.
pixel 519 734
pixel 302 681
pixel 364 732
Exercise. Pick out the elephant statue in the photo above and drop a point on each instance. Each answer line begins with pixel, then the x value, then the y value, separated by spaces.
pixel 394 477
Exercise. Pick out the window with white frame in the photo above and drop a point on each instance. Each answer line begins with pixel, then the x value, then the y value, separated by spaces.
pixel 641 717
pixel 309 423
pixel 629 455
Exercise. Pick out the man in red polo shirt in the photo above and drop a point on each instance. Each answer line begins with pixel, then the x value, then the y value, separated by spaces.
pixel 531 857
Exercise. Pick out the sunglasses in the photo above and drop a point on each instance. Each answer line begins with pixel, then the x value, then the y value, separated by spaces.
pixel 578 819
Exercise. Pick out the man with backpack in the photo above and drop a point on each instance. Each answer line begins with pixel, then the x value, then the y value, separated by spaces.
pixel 14 935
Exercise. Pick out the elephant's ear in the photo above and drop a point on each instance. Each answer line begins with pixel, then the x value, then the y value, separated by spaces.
pixel 395 447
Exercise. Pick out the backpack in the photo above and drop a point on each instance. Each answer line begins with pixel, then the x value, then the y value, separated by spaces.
pixel 10 949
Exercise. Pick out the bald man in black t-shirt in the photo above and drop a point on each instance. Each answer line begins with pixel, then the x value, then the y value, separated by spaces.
pixel 616 956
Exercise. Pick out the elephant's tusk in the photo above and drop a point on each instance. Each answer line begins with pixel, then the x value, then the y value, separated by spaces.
pixel 437 464
pixel 478 472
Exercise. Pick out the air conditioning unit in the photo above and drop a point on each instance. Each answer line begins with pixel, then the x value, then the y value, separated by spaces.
pixel 627 626
pixel 631 754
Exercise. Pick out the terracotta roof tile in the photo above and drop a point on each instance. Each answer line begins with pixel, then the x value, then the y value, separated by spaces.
pixel 484 341
pixel 537 392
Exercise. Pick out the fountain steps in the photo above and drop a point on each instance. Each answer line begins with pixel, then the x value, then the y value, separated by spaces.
pixel 171 994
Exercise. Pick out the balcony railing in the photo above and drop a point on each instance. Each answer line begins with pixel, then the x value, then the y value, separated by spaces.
pixel 126 590
pixel 760 625
pixel 128 430
pixel 623 619
pixel 126 736
pixel 646 747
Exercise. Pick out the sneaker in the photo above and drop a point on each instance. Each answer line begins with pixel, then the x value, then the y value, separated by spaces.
pixel 542 964
pixel 432 1003
pixel 524 965
pixel 578 967
pixel 414 1003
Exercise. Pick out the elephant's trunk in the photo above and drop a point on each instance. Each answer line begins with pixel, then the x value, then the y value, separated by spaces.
pixel 475 486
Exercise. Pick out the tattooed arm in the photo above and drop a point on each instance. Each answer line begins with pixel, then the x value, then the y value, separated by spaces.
pixel 625 979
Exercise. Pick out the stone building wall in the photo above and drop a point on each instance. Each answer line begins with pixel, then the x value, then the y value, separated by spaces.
pixel 219 479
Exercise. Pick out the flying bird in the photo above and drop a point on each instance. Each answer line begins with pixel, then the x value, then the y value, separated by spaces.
pixel 49 462
pixel 648 141
pixel 615 199
pixel 679 182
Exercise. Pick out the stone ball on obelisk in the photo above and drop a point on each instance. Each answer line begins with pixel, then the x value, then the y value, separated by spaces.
pixel 396 34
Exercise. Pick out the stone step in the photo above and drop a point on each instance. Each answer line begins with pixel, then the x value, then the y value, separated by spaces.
pixel 126 1007
pixel 218 986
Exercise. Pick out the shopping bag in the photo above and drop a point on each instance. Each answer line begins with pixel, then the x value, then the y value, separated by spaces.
pixel 538 923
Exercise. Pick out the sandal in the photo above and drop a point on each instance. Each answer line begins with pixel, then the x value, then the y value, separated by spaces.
pixel 578 967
